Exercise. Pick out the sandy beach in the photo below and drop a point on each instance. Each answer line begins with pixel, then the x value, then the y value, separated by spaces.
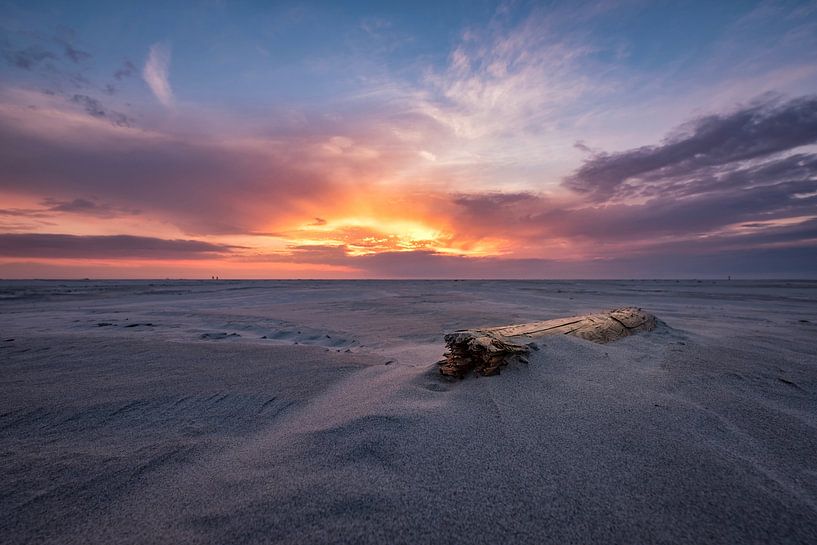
pixel 313 412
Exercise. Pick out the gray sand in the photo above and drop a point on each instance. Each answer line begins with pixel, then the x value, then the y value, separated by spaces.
pixel 311 412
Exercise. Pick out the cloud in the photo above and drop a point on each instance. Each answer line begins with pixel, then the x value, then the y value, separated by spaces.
pixel 772 261
pixel 709 147
pixel 59 75
pixel 84 207
pixel 698 189
pixel 27 58
pixel 701 217
pixel 693 193
pixel 91 105
pixel 95 108
pixel 482 204
pixel 24 212
pixel 39 58
pixel 511 76
pixel 125 71
pixel 59 246
pixel 155 73
pixel 275 188
pixel 362 187
pixel 74 54
pixel 199 183
pixel 87 207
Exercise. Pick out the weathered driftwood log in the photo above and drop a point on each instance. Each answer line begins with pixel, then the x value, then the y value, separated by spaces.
pixel 486 350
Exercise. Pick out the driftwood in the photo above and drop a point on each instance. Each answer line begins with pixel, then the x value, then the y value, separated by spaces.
pixel 486 350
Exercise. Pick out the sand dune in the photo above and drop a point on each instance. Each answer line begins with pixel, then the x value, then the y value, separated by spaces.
pixel 312 412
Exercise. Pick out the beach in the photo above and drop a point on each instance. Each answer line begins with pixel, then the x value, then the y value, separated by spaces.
pixel 314 412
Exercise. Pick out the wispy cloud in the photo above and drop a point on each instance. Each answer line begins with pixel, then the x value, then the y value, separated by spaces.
pixel 508 77
pixel 504 98
pixel 156 73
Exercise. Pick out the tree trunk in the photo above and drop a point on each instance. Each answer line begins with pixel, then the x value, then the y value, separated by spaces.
pixel 486 350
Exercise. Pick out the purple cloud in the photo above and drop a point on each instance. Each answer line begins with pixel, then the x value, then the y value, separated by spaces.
pixel 57 246
pixel 28 57
pixel 205 187
pixel 125 71
pixel 710 146
pixel 95 108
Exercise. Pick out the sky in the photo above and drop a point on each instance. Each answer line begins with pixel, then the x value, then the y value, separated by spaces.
pixel 462 139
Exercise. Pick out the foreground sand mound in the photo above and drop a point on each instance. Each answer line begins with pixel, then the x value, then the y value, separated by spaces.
pixel 486 350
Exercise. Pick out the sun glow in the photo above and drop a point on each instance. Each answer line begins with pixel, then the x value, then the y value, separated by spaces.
pixel 366 235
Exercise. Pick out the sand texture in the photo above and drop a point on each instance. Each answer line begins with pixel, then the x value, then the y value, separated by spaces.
pixel 314 412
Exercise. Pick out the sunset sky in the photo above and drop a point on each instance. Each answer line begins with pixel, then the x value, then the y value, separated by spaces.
pixel 418 139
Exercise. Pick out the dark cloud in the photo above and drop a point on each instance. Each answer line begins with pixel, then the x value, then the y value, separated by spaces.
pixel 58 246
pixel 80 206
pixel 428 264
pixel 74 54
pixel 795 236
pixel 63 79
pixel 791 263
pixel 24 213
pixel 581 146
pixel 27 58
pixel 66 37
pixel 32 56
pixel 313 253
pixel 62 74
pixel 91 105
pixel 95 108
pixel 671 262
pixel 87 207
pixel 710 146
pixel 125 71
pixel 486 203
pixel 692 190
pixel 690 217
pixel 318 222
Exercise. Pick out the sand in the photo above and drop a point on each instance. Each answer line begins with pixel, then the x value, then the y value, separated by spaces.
pixel 312 412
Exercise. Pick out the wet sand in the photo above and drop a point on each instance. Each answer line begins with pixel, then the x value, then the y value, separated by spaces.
pixel 312 412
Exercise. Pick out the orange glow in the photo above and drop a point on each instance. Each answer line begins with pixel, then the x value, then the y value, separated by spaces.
pixel 365 235
pixel 368 235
